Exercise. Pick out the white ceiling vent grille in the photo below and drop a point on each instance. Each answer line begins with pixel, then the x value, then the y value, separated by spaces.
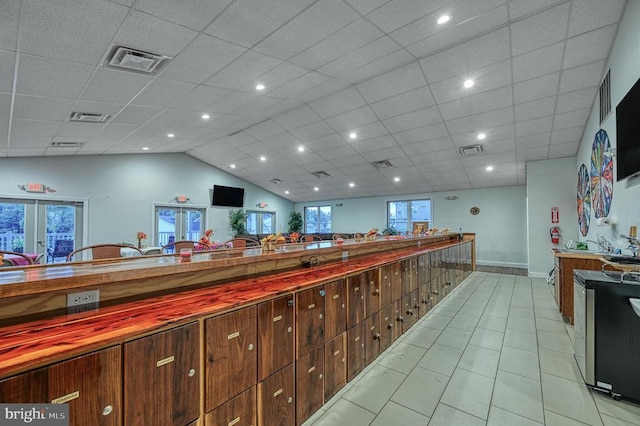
pixel 382 164
pixel 88 117
pixel 136 60
pixel 276 181
pixel 66 144
pixel 467 151
pixel 321 174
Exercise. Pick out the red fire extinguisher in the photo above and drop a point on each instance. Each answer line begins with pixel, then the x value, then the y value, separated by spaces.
pixel 555 235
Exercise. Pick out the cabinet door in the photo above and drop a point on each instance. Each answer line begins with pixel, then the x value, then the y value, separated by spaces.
pixel 396 281
pixel 386 286
pixel 231 360
pixel 309 320
pixel 90 384
pixel 309 384
pixel 425 298
pixel 387 325
pixel 276 399
pixel 399 315
pixel 355 301
pixel 355 351
pixel 239 411
pixel 406 277
pixel 371 283
pixel 335 365
pixel 275 335
pixel 161 380
pixel 423 269
pixel 417 306
pixel 408 312
pixel 335 309
pixel 372 342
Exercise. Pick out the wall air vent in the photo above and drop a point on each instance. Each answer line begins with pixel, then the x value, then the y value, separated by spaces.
pixel 321 174
pixel 605 97
pixel 276 181
pixel 129 59
pixel 467 151
pixel 382 164
pixel 88 117
pixel 63 144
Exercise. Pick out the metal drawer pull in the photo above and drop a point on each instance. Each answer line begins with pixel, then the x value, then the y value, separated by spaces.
pixel 278 392
pixel 107 410
pixel 233 335
pixel 165 361
pixel 234 421
pixel 250 346
pixel 192 372
pixel 312 369
pixel 278 318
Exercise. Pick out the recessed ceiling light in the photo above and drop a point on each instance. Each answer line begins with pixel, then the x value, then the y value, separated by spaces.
pixel 286 192
pixel 353 135
pixel 145 148
pixel 396 179
pixel 316 189
pixel 171 135
pixel 263 158
pixel 206 116
pixel 260 87
pixel 481 136
pixel 489 168
pixel 351 184
pixel 301 148
pixel 444 19
pixel 233 166
pixel 468 83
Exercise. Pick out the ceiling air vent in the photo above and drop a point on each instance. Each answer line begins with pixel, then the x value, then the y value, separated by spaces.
pixel 136 60
pixel 276 181
pixel 321 174
pixel 88 117
pixel 63 144
pixel 382 164
pixel 466 151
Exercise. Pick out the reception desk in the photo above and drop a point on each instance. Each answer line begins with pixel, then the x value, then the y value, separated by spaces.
pixel 231 337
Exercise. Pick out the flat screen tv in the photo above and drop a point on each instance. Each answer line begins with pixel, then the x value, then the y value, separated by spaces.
pixel 227 196
pixel 628 133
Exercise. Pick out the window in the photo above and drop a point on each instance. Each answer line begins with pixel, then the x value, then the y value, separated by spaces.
pixel 260 222
pixel 317 219
pixel 178 223
pixel 404 215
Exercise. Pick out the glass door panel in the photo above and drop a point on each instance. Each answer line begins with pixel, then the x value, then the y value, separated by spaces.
pixel 178 223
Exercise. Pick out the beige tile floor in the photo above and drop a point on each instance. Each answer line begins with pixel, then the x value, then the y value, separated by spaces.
pixel 494 352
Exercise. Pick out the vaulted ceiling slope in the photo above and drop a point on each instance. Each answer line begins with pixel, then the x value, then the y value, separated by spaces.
pixel 384 70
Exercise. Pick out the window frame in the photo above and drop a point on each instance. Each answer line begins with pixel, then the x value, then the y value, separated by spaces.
pixel 409 220
pixel 318 224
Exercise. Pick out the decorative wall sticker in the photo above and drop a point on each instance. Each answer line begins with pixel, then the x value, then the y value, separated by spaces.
pixel 584 200
pixel 601 175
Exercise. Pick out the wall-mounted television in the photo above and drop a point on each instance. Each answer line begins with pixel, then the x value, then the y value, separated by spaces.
pixel 227 196
pixel 628 133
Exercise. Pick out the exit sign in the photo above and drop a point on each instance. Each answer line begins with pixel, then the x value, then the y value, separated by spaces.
pixel 35 187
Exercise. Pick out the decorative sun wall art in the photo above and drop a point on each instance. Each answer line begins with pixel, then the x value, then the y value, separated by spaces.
pixel 601 175
pixel 584 200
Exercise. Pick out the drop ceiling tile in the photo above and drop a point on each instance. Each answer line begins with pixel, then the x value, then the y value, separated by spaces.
pixel 342 42
pixel 7 62
pixel 320 20
pixel 243 70
pixel 384 64
pixel 564 149
pixel 338 103
pixel 435 156
pixel 312 131
pixel 77 130
pixel 531 127
pixel 194 14
pixel 305 82
pixel 542 29
pixel 485 120
pixel 567 135
pixel 406 102
pixel 262 106
pixel 475 104
pixel 373 51
pixel 40 108
pixel 62 30
pixel 135 115
pixel 535 109
pixel 366 6
pixel 5 106
pixel 392 83
pixel 352 164
pixel 571 119
pixel 434 131
pixel 146 32
pixel 199 98
pixel 398 13
pixel 412 120
pixel 537 88
pixel 97 107
pixel 393 154
pixel 533 141
pixel 531 154
pixel 427 146
pixel 581 77
pixel 109 85
pixel 246 22
pixel 337 152
pixel 33 128
pixel 330 86
pixel 364 132
pixel 162 92
pixel 36 75
pixel 231 101
pixel 467 57
pixel 169 118
pixel 23 142
pixel 201 59
pixel 492 134
pixel 537 63
pixel 266 129
pixel 9 12
pixel 114 132
pixel 494 147
pixel 520 8
pixel 352 119
pixel 282 142
pixel 485 79
pixel 579 99
pixel 374 144
pixel 587 15
pixel 325 142
pixel 277 77
pixel 297 118
pixel 589 47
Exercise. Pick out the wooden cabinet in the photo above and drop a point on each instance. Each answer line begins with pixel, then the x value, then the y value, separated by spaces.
pixel 335 365
pixel 241 410
pixel 90 384
pixel 406 277
pixel 396 278
pixel 386 286
pixel 371 282
pixel 372 342
pixel 335 309
pixel 409 313
pixel 355 350
pixel 423 269
pixel 159 371
pixel 276 399
pixel 398 315
pixel 275 335
pixel 565 266
pixel 310 320
pixel 309 384
pixel 425 298
pixel 355 301
pixel 231 355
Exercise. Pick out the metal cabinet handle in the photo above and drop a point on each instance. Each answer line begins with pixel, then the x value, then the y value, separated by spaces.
pixel 290 302
pixel 107 410
pixel 192 372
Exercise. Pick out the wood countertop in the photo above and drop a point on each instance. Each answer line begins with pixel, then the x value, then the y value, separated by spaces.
pixel 576 255
pixel 43 341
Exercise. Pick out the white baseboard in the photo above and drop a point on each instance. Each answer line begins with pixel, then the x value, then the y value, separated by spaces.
pixel 503 264
pixel 537 275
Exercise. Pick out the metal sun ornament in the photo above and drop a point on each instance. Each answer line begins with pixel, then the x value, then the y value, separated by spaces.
pixel 601 175
pixel 583 200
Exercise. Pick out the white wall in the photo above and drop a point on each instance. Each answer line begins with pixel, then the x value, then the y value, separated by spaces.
pixel 550 183
pixel 624 62
pixel 121 190
pixel 500 227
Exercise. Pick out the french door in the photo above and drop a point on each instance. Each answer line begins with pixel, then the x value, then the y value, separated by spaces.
pixel 45 227
pixel 173 223
pixel 261 222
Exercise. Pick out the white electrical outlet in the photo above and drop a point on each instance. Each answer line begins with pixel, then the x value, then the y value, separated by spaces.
pixel 83 298
pixel 345 256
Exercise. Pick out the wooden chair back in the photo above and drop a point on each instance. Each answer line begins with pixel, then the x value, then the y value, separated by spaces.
pixel 240 242
pixel 102 251
pixel 309 238
pixel 7 261
pixel 176 246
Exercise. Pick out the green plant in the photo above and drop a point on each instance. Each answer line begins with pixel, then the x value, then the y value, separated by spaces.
pixel 237 222
pixel 390 230
pixel 17 244
pixel 295 222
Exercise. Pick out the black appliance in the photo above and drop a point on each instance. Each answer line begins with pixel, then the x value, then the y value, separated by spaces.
pixel 628 133
pixel 227 196
pixel 607 331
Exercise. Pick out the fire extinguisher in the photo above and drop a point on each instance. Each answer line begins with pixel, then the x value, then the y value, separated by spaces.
pixel 555 235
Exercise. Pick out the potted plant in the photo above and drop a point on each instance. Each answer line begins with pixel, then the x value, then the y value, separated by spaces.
pixel 390 230
pixel 295 222
pixel 237 222
pixel 17 244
